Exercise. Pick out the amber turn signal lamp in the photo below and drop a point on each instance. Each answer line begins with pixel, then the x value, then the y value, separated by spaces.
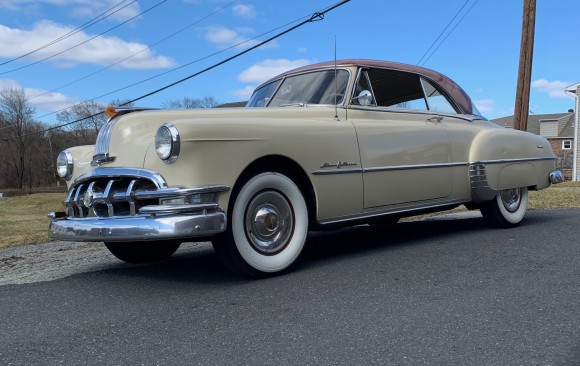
pixel 110 111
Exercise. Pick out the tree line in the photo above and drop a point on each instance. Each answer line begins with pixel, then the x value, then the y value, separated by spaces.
pixel 28 150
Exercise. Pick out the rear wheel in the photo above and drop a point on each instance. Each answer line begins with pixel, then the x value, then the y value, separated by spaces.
pixel 507 209
pixel 268 225
pixel 143 252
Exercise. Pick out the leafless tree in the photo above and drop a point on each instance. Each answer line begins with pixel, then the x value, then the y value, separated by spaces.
pixel 17 116
pixel 91 117
pixel 191 103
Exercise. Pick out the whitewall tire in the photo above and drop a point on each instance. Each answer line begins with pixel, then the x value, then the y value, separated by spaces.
pixel 267 227
pixel 507 209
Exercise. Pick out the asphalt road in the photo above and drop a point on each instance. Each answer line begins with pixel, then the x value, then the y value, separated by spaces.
pixel 438 292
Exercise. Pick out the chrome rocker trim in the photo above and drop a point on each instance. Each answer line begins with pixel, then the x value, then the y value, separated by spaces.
pixel 138 228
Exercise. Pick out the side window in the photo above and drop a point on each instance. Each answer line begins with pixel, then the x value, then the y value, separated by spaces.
pixel 435 100
pixel 397 89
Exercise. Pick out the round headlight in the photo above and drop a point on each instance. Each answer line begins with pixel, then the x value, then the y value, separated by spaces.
pixel 64 165
pixel 167 143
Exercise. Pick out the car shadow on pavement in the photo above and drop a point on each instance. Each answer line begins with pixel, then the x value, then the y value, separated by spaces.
pixel 197 262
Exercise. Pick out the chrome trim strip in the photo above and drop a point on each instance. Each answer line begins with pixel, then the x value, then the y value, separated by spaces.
pixel 386 211
pixel 138 228
pixel 179 191
pixel 337 171
pixel 412 167
pixel 465 117
pixel 426 166
pixel 159 209
pixel 112 173
pixel 519 160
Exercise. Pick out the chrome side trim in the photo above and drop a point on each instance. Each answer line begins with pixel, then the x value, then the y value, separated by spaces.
pixel 386 211
pixel 411 167
pixel 138 228
pixel 505 161
pixel 426 166
pixel 337 171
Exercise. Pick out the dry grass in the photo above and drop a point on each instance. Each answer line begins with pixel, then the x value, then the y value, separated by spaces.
pixel 23 219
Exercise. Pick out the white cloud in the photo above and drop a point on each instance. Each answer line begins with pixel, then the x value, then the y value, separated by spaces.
pixel 48 102
pixel 485 106
pixel 264 70
pixel 555 89
pixel 224 37
pixel 101 50
pixel 78 8
pixel 301 50
pixel 244 93
pixel 244 11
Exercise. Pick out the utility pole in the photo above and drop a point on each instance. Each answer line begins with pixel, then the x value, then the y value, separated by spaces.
pixel 522 105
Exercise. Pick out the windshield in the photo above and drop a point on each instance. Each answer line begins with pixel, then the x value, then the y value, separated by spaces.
pixel 311 88
pixel 262 96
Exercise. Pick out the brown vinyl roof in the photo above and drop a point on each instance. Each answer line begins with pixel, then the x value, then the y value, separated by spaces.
pixel 449 86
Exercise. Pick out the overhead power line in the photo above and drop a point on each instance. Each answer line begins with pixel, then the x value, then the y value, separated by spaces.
pixel 451 31
pixel 319 15
pixel 136 53
pixel 180 67
pixel 443 32
pixel 83 26
pixel 85 41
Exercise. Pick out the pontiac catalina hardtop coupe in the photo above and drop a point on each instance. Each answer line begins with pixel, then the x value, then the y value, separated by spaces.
pixel 323 146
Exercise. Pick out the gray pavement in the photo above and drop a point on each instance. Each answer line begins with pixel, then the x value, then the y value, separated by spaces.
pixel 443 291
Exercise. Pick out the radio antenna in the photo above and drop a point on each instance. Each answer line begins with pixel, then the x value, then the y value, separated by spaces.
pixel 335 85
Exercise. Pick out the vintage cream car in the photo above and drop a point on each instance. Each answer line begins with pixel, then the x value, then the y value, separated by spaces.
pixel 327 145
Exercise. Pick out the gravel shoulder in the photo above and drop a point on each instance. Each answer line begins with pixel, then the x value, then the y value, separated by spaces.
pixel 55 260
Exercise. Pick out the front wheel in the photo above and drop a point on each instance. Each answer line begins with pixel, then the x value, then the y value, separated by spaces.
pixel 507 209
pixel 143 252
pixel 268 225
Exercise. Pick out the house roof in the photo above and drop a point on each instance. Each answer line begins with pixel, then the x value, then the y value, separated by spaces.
pixel 535 119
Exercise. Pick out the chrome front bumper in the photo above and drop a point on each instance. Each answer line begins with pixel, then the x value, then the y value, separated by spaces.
pixel 128 205
pixel 137 228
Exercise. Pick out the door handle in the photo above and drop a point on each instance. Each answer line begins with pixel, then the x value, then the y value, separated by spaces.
pixel 435 119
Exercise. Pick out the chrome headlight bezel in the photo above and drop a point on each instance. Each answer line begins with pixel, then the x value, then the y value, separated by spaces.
pixel 167 143
pixel 65 165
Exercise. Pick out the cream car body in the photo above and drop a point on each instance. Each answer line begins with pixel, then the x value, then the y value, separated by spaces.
pixel 359 161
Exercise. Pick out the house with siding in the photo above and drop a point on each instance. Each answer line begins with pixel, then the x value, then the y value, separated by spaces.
pixel 558 129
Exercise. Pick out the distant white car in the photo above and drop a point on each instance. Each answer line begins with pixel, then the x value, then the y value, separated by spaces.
pixel 321 146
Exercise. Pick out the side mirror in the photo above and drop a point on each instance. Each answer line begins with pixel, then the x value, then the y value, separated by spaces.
pixel 364 98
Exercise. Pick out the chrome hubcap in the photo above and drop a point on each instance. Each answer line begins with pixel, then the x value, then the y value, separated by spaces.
pixel 511 199
pixel 269 222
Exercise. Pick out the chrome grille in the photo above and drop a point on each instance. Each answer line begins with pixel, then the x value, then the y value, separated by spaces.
pixel 112 192
pixel 104 197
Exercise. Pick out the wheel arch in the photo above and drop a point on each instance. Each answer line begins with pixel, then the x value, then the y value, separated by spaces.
pixel 283 165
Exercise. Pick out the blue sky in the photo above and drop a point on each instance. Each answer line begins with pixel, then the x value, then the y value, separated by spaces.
pixel 480 52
